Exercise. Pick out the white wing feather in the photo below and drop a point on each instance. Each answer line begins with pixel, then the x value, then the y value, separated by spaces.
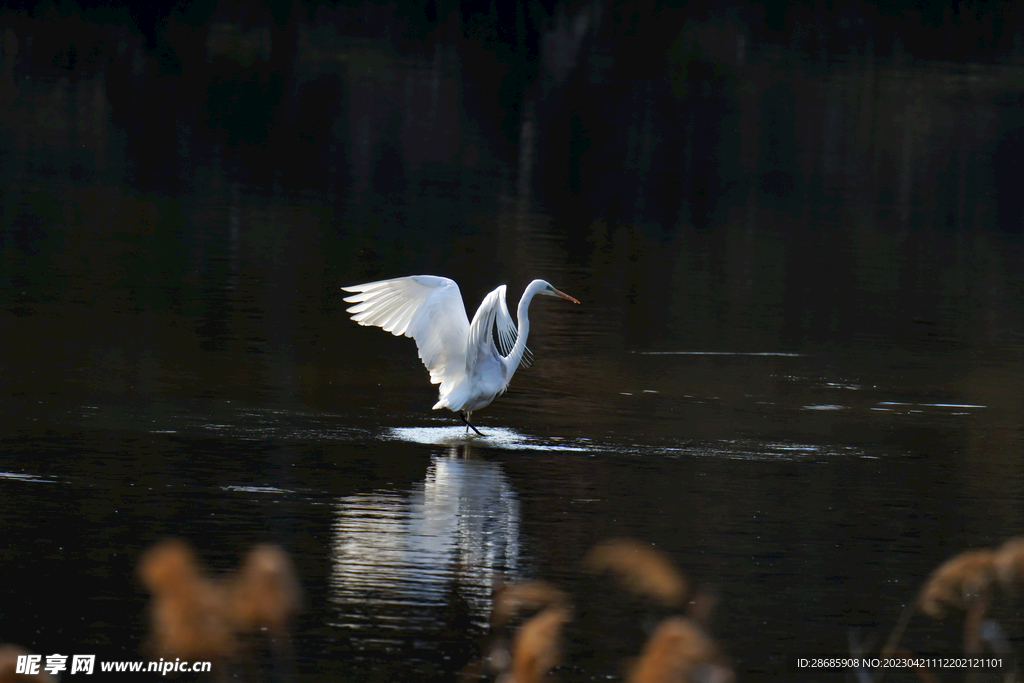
pixel 425 307
pixel 508 332
pixel 493 317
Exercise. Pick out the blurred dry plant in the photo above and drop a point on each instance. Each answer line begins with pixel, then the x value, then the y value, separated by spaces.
pixel 677 651
pixel 964 582
pixel 640 567
pixel 537 646
pixel 195 617
pixel 512 599
pixel 188 611
pixel 1009 563
pixel 960 582
pixel 9 665
pixel 264 595
pixel 967 582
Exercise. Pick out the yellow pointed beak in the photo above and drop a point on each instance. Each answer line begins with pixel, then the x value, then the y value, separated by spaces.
pixel 564 296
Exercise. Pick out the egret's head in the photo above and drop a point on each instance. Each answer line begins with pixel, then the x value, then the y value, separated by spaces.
pixel 548 290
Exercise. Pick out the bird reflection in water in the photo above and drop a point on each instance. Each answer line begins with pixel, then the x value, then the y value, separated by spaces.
pixel 426 555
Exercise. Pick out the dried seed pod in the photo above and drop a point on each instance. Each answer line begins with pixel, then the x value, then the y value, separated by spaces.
pixel 1009 562
pixel 958 582
pixel 265 593
pixel 188 612
pixel 679 650
pixel 537 644
pixel 640 567
pixel 511 599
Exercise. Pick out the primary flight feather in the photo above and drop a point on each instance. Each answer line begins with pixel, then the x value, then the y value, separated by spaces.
pixel 460 355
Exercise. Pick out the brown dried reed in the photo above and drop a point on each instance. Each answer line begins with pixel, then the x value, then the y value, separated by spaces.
pixel 195 617
pixel 264 594
pixel 537 645
pixel 640 567
pixel 188 611
pixel 513 598
pixel 958 582
pixel 677 651
pixel 1009 563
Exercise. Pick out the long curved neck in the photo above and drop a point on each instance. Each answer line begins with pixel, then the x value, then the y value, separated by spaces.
pixel 523 319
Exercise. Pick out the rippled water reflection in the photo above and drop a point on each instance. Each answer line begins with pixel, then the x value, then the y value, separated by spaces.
pixel 812 494
pixel 453 534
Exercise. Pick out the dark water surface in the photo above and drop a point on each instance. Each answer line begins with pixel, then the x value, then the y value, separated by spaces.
pixel 798 370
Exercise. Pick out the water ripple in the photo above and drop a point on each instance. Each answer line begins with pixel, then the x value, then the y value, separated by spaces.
pixel 494 437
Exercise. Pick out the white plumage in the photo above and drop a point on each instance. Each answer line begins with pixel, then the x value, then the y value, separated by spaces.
pixel 461 356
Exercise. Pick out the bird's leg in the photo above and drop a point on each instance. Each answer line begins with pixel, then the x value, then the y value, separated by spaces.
pixel 465 420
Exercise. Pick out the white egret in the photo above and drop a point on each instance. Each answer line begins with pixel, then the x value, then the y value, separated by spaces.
pixel 461 356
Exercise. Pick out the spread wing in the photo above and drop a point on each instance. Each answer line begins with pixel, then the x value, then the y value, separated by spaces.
pixel 425 307
pixel 508 333
pixel 492 318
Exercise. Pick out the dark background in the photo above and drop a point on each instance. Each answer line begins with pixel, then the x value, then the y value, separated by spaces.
pixel 638 110
pixel 835 186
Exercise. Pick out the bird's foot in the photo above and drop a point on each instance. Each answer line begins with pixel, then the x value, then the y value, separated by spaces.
pixel 469 425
